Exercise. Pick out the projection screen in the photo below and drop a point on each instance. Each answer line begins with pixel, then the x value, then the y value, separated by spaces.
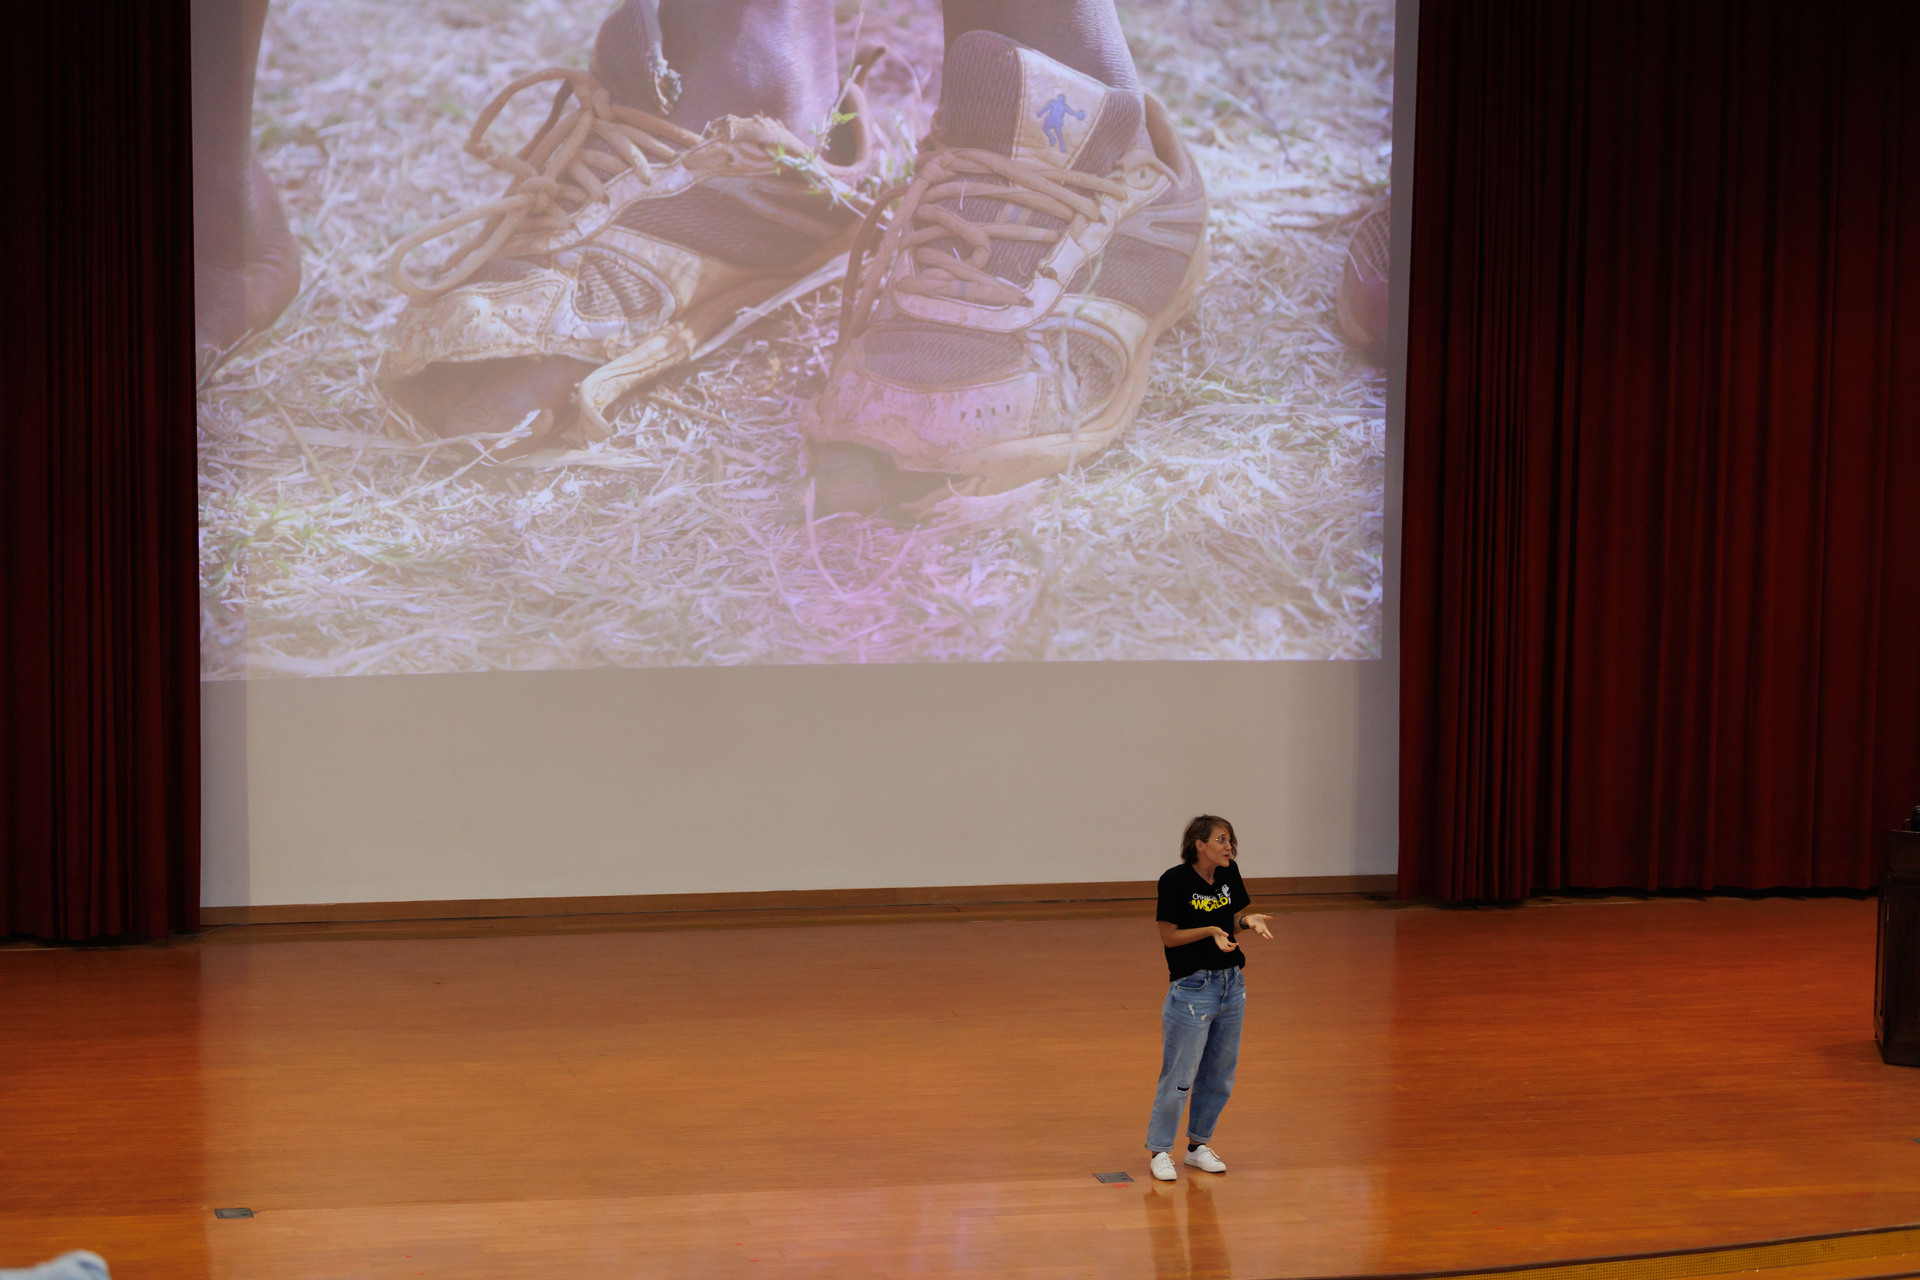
pixel 1029 436
pixel 499 373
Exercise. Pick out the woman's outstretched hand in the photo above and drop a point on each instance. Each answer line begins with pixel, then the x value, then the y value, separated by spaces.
pixel 1257 923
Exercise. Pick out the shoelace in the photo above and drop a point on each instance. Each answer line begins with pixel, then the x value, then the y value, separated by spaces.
pixel 555 175
pixel 1078 199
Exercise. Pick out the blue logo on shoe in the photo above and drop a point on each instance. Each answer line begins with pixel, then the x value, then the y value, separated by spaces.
pixel 1055 114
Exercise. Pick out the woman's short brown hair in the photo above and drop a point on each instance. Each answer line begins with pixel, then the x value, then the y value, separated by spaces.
pixel 1199 831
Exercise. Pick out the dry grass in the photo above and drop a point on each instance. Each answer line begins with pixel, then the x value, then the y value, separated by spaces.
pixel 1240 518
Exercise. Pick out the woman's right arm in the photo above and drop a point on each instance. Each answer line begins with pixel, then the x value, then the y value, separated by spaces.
pixel 1172 937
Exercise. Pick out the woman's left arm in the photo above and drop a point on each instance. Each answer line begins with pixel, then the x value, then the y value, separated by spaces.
pixel 1257 922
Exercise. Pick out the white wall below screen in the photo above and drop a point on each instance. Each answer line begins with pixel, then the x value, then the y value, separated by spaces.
pixel 581 783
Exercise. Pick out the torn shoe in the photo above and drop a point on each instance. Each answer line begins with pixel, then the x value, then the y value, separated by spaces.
pixel 999 327
pixel 622 244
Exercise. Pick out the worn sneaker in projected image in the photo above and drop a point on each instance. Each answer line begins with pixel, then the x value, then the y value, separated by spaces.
pixel 623 245
pixel 999 327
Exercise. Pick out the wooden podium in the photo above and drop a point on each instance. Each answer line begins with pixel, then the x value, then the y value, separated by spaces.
pixel 1896 984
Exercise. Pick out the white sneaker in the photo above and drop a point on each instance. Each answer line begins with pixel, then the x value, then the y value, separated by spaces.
pixel 1162 1167
pixel 1202 1157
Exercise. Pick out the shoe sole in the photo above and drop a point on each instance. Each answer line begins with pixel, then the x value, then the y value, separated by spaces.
pixel 706 327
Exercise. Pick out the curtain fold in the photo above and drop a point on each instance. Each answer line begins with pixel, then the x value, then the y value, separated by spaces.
pixel 1661 559
pixel 99 687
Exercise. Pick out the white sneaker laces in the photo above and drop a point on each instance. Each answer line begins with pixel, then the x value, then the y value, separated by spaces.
pixel 1078 199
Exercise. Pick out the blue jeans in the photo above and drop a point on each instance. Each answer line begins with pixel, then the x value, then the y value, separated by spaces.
pixel 1200 1047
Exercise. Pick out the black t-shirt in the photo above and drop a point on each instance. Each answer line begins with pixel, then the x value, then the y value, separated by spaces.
pixel 1188 902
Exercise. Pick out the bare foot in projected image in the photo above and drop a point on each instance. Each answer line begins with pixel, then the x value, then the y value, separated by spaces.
pixel 246 263
pixel 705 166
pixel 232 301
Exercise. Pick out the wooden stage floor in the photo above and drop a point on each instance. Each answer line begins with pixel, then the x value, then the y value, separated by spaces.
pixel 1419 1089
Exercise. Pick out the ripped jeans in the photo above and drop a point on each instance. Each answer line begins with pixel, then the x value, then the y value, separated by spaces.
pixel 1200 1047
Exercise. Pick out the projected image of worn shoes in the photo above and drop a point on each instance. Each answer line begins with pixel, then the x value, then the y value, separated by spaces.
pixel 999 327
pixel 623 246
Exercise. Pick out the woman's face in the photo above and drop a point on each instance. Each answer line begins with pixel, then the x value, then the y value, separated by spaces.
pixel 1215 851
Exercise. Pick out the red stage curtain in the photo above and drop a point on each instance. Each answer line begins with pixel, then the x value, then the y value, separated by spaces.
pixel 1661 589
pixel 99 690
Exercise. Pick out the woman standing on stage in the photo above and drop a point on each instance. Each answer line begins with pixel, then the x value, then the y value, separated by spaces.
pixel 1200 1022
